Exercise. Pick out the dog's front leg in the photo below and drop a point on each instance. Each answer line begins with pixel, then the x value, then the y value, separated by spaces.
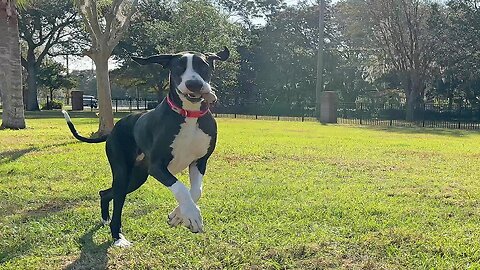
pixel 196 179
pixel 190 213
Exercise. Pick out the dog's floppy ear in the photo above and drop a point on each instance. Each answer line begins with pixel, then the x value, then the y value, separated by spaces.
pixel 222 56
pixel 162 59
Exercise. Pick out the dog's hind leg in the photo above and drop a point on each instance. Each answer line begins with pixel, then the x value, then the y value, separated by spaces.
pixel 105 197
pixel 120 185
pixel 138 177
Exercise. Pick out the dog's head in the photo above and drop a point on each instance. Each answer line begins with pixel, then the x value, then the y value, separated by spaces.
pixel 190 72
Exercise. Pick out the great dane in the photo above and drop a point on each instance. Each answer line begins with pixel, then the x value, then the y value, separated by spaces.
pixel 179 133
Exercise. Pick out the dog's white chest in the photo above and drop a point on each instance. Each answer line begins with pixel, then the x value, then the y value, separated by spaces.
pixel 190 144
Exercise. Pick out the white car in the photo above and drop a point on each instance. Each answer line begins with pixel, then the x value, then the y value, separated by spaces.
pixel 90 101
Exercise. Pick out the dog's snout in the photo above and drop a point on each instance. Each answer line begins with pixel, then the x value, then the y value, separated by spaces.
pixel 194 85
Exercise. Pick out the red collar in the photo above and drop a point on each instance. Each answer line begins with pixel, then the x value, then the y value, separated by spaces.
pixel 186 113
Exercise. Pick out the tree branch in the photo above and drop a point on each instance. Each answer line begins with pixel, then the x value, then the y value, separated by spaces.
pixel 117 32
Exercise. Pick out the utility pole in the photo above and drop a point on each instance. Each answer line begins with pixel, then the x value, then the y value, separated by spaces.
pixel 320 64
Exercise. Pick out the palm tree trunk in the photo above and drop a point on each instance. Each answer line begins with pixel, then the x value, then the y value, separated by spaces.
pixel 10 69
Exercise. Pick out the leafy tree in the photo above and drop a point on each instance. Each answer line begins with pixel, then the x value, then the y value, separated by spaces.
pixel 10 68
pixel 249 10
pixel 53 76
pixel 456 28
pixel 285 61
pixel 105 23
pixel 353 48
pixel 401 32
pixel 47 27
pixel 141 41
pixel 165 31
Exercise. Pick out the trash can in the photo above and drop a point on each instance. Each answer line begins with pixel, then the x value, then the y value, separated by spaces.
pixel 77 100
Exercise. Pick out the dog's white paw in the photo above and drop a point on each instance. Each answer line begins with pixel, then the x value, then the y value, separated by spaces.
pixel 191 218
pixel 105 222
pixel 122 242
pixel 175 217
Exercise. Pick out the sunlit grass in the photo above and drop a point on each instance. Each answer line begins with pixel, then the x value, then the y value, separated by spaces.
pixel 276 195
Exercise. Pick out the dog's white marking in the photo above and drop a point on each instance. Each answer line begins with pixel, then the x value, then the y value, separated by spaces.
pixel 67 117
pixel 105 222
pixel 196 179
pixel 190 144
pixel 122 242
pixel 188 105
pixel 175 217
pixel 191 74
pixel 189 212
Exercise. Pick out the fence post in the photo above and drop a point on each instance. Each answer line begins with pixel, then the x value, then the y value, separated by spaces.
pixel 47 105
pixel 138 104
pixel 130 102
pixel 146 104
pixel 391 116
pixel 116 105
pixel 424 112
pixel 361 112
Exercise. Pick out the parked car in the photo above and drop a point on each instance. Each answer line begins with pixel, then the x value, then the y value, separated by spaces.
pixel 90 101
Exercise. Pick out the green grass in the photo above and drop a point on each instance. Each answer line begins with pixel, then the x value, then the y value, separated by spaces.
pixel 277 195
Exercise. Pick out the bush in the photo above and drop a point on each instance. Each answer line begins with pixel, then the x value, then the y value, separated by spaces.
pixel 54 104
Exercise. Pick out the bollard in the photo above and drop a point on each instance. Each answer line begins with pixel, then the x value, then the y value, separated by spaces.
pixel 328 107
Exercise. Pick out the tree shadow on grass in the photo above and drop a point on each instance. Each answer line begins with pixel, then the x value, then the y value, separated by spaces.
pixel 429 131
pixel 13 155
pixel 23 246
pixel 92 256
pixel 73 114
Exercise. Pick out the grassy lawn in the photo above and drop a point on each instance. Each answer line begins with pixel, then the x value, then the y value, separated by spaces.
pixel 277 195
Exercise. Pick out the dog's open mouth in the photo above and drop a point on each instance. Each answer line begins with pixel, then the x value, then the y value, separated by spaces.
pixel 192 97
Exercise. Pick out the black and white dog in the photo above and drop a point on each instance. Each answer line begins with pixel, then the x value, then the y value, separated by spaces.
pixel 179 133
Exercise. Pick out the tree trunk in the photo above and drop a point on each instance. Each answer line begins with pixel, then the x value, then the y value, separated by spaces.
pixel 104 95
pixel 10 72
pixel 411 100
pixel 32 93
pixel 414 92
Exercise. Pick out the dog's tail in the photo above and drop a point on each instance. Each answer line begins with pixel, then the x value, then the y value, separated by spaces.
pixel 78 136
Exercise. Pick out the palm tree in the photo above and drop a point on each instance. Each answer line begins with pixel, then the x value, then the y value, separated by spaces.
pixel 13 116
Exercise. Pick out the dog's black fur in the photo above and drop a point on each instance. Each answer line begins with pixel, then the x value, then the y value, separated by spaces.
pixel 140 144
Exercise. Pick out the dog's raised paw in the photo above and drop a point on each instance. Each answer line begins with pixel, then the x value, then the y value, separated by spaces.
pixel 192 219
pixel 122 242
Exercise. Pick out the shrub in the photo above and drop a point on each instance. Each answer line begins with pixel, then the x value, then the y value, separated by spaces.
pixel 54 104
